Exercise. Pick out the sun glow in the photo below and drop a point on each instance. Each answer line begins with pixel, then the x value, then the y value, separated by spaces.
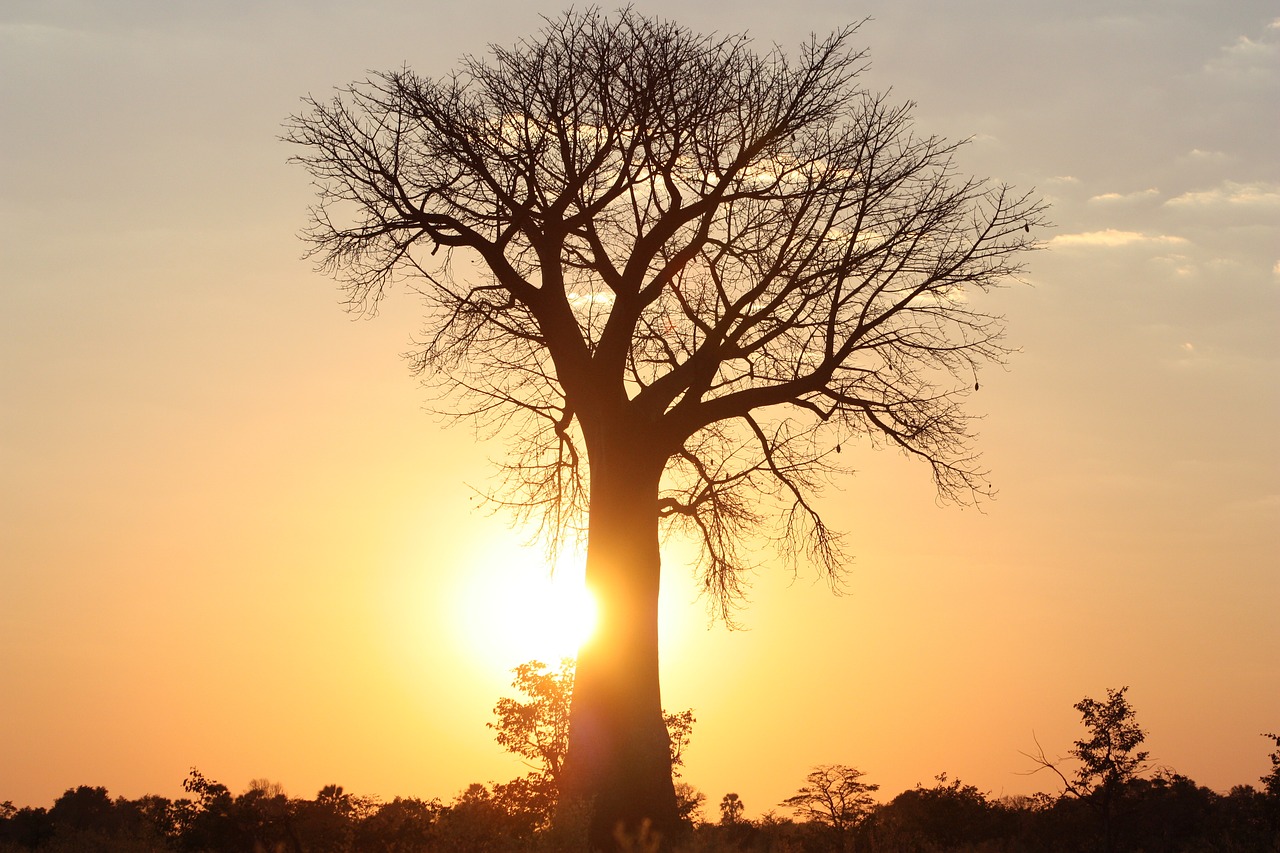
pixel 512 609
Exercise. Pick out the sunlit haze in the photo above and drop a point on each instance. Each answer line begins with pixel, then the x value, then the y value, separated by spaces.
pixel 512 610
pixel 233 535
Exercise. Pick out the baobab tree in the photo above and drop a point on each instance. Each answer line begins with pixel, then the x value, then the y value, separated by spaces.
pixel 683 275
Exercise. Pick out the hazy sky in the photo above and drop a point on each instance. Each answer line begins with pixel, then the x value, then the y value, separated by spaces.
pixel 231 537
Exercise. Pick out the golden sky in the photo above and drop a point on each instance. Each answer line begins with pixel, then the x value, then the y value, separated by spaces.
pixel 231 537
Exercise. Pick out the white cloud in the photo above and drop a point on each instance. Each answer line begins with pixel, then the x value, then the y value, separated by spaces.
pixel 1248 58
pixel 1233 194
pixel 1247 48
pixel 1064 179
pixel 1275 270
pixel 1211 156
pixel 1133 196
pixel 1110 238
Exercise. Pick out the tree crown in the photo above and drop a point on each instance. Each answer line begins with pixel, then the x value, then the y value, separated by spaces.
pixel 745 260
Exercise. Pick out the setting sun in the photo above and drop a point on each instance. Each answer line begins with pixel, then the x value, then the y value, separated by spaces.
pixel 512 609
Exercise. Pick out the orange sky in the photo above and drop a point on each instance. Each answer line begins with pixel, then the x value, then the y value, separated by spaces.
pixel 231 538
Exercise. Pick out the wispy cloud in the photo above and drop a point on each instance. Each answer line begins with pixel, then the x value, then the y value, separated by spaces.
pixel 1249 58
pixel 1179 265
pixel 1111 238
pixel 1207 156
pixel 1133 196
pixel 1231 194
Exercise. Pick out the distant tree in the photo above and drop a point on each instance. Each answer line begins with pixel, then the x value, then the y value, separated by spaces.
pixel 159 815
pixel 1108 757
pixel 1271 782
pixel 213 820
pixel 398 826
pixel 488 819
pixel 679 732
pixel 328 823
pixel 84 808
pixel 834 794
pixel 689 801
pixel 266 815
pixel 731 808
pixel 537 728
pixel 946 816
pixel 1168 811
pixel 1271 790
pixel 207 792
pixel 26 828
pixel 686 273
pixel 266 789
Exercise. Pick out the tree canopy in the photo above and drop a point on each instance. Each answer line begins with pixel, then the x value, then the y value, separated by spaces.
pixel 751 251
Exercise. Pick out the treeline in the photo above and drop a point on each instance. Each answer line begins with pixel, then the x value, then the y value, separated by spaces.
pixel 1166 812
pixel 1109 799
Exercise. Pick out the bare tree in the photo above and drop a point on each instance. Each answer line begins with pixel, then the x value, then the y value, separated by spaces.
pixel 683 275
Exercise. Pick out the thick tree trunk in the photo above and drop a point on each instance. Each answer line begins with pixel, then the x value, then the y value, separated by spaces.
pixel 618 768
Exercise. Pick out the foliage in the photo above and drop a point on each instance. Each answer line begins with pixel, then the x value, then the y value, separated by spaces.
pixel 679 732
pixel 945 816
pixel 689 802
pixel 1109 756
pixel 1271 782
pixel 537 729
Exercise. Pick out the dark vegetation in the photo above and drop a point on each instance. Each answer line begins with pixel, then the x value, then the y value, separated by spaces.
pixel 1110 801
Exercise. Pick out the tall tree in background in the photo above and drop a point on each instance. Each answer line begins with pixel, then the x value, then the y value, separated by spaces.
pixel 682 275
pixel 1109 756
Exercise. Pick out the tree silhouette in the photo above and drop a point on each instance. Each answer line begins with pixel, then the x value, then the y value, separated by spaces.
pixel 1109 756
pixel 731 808
pixel 834 794
pixel 1271 787
pixel 684 275
pixel 537 729
pixel 1271 782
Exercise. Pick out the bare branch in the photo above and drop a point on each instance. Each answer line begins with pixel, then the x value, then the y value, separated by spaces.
pixel 621 224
